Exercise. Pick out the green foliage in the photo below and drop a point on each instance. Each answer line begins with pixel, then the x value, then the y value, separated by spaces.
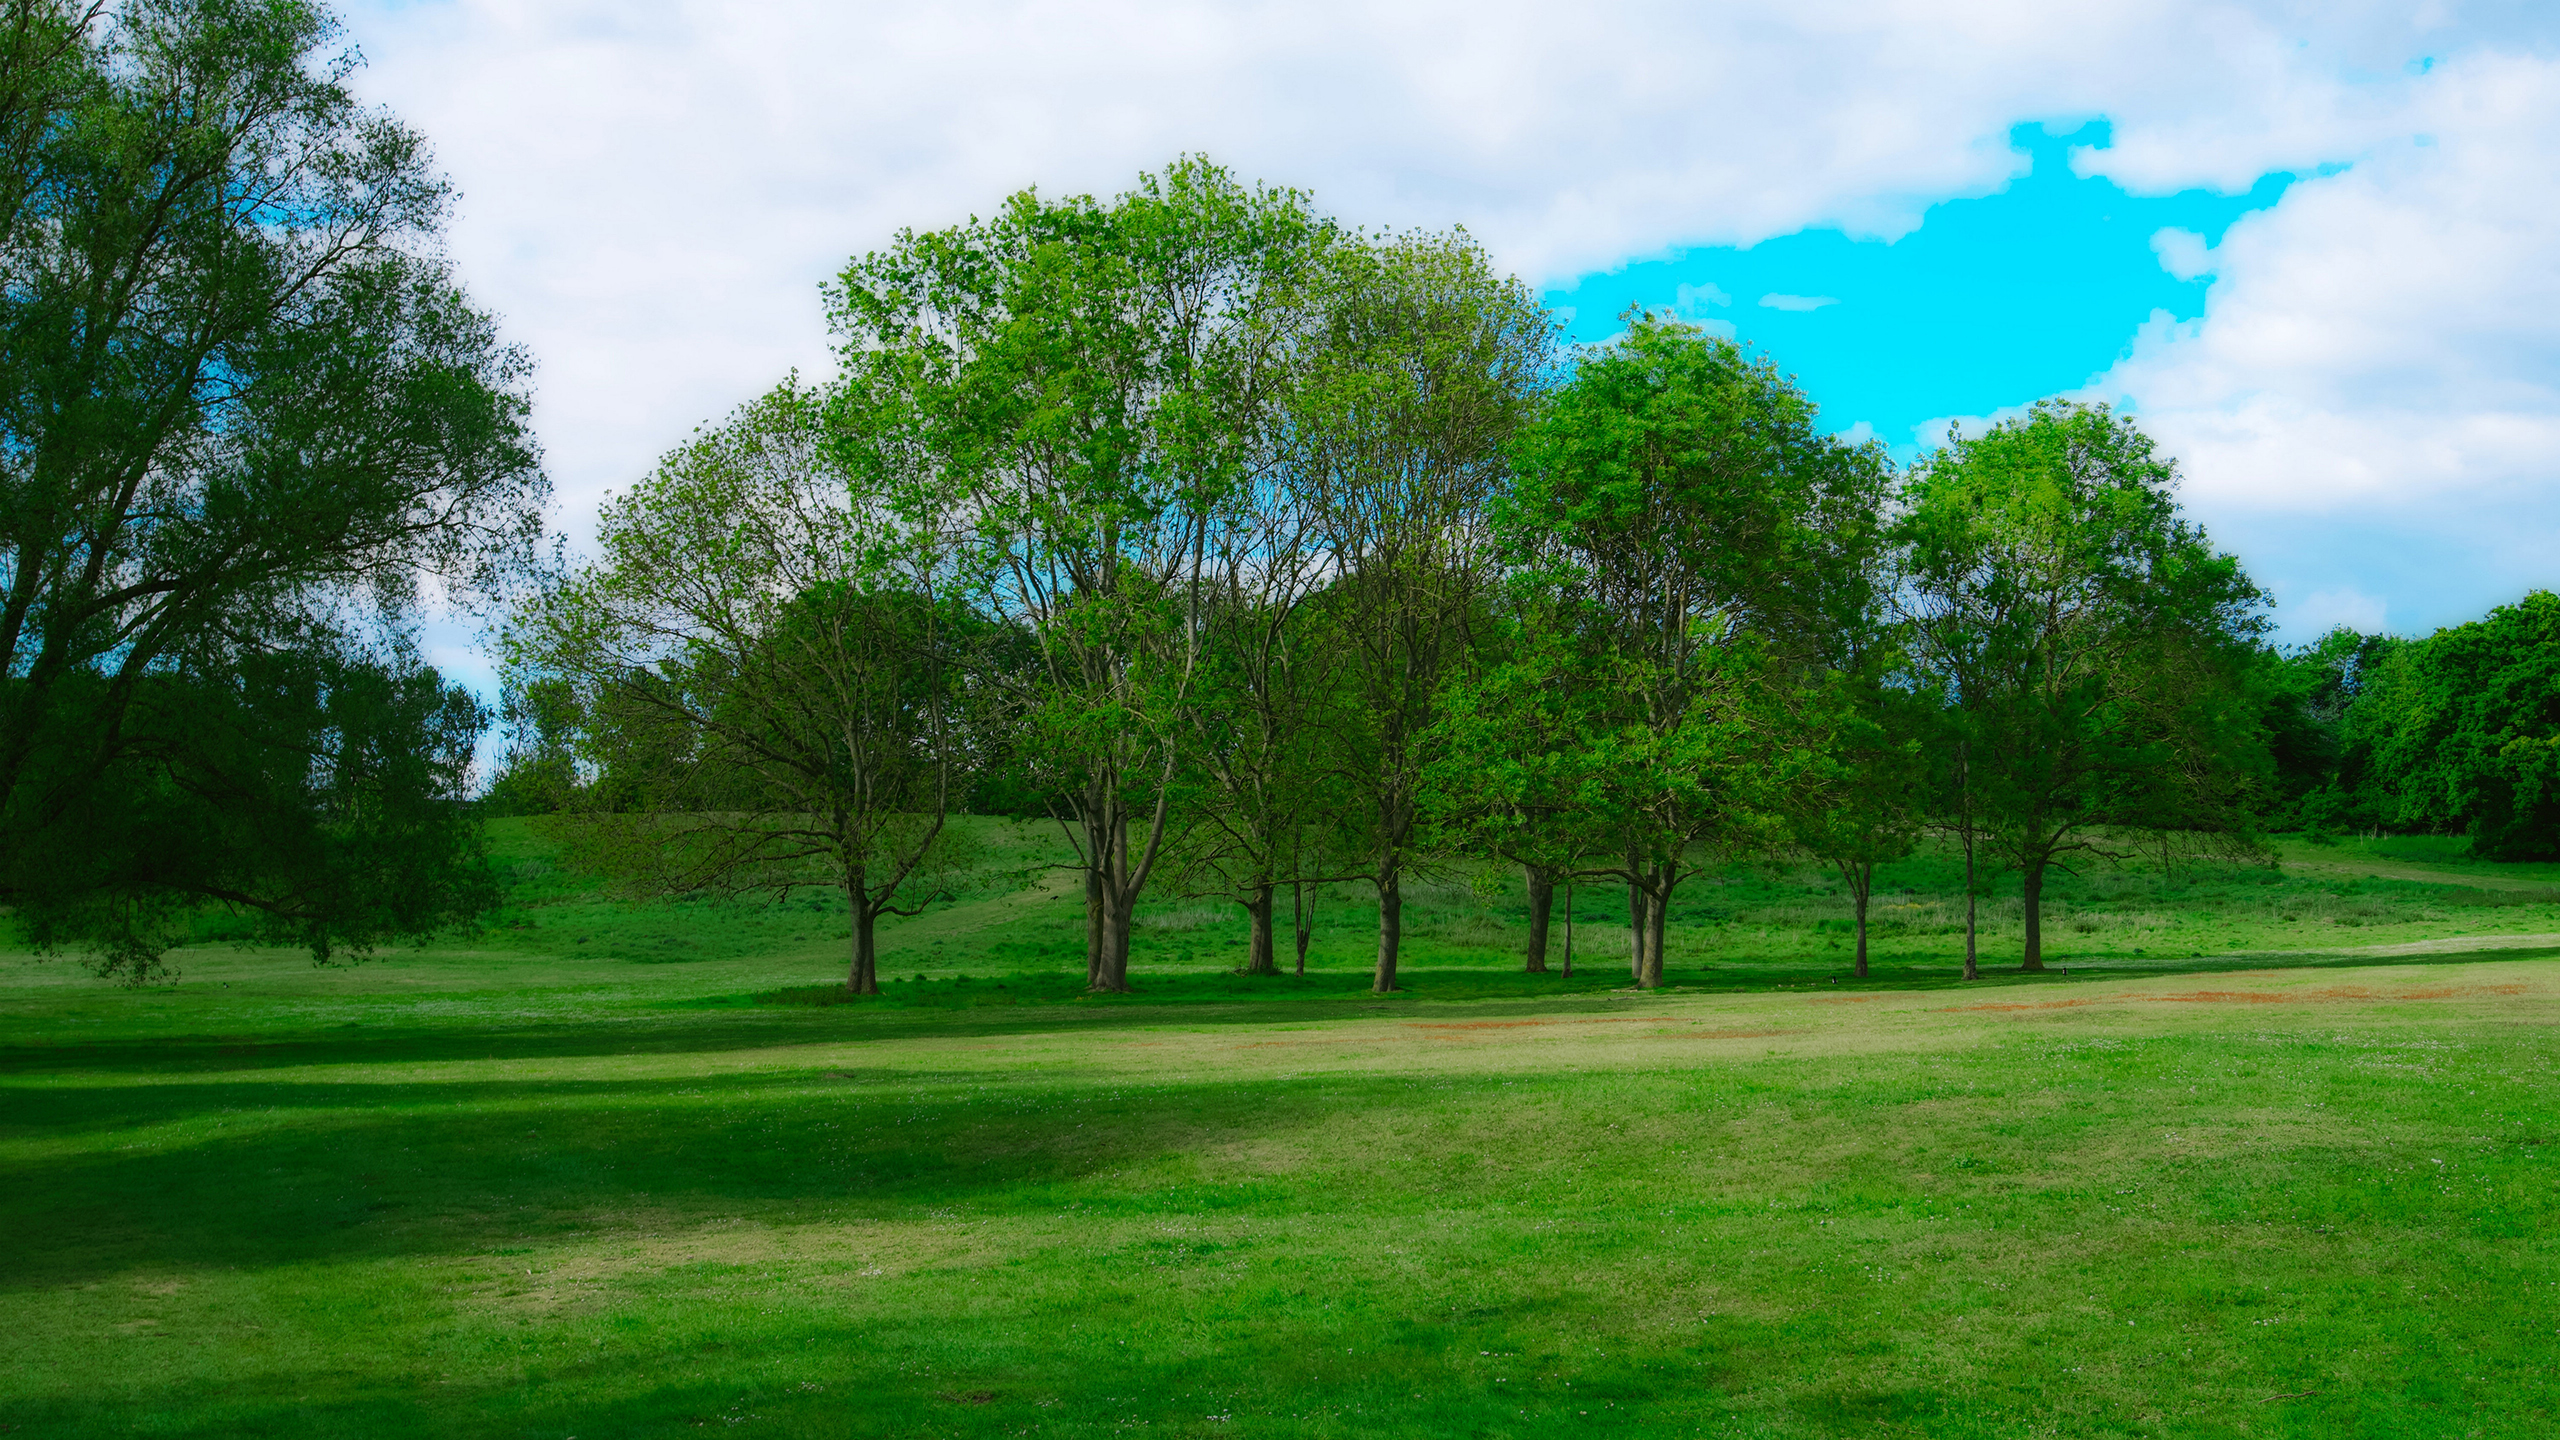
pixel 2091 646
pixel 2307 694
pixel 1091 386
pixel 764 651
pixel 2460 732
pixel 315 798
pixel 1681 534
pixel 244 411
pixel 1426 363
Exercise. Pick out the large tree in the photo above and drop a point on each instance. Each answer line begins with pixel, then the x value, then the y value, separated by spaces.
pixel 1097 380
pixel 2090 644
pixel 244 413
pixel 1427 362
pixel 1692 539
pixel 768 677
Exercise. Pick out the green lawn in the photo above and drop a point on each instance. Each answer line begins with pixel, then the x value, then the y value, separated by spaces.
pixel 2276 1157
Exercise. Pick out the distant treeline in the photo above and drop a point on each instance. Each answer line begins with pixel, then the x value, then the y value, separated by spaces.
pixel 2454 734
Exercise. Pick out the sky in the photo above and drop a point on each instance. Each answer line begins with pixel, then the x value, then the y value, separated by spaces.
pixel 2313 247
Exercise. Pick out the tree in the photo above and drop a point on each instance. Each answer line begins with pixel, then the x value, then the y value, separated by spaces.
pixel 1869 801
pixel 1426 364
pixel 1510 764
pixel 1686 531
pixel 2460 732
pixel 244 413
pixel 769 678
pixel 2089 642
pixel 2306 693
pixel 1096 381
pixel 1265 699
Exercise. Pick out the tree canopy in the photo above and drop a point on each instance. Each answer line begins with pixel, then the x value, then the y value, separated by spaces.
pixel 2088 641
pixel 245 416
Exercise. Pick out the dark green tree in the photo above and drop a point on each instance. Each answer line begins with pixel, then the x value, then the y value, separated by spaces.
pixel 1867 801
pixel 244 413
pixel 2460 733
pixel 1258 791
pixel 1427 361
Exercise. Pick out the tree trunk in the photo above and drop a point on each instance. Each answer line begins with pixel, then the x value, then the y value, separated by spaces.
pixel 1862 885
pixel 1112 882
pixel 1116 923
pixel 1302 920
pixel 2031 895
pixel 1261 958
pixel 864 976
pixel 1657 923
pixel 1542 899
pixel 1390 930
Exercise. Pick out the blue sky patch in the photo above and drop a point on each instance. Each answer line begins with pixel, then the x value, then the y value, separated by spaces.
pixel 1991 303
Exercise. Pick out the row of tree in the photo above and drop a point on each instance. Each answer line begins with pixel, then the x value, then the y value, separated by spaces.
pixel 1260 552
pixel 1257 551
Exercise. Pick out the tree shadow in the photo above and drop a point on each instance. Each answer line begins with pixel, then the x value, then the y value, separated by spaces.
pixel 283 1172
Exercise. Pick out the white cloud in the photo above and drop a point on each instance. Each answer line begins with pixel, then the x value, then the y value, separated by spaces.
pixel 1776 301
pixel 2387 338
pixel 653 189
pixel 1693 300
pixel 2182 252
pixel 1933 433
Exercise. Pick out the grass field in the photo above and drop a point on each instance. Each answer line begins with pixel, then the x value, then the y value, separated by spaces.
pixel 2275 1158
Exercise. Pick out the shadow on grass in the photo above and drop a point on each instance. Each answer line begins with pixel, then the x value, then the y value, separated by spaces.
pixel 825 1377
pixel 289 1173
pixel 283 1170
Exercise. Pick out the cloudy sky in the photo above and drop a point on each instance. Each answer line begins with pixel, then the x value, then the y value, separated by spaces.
pixel 2315 247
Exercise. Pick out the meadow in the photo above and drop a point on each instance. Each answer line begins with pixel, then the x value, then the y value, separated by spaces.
pixel 2275 1157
